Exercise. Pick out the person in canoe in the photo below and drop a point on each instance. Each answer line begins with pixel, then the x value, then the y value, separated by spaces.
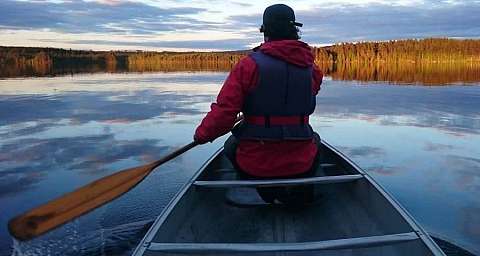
pixel 275 88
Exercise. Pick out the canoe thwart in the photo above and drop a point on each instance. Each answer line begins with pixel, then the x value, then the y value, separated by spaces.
pixel 277 182
pixel 349 243
pixel 325 165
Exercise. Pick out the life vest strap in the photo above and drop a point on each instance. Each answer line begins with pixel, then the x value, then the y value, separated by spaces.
pixel 277 120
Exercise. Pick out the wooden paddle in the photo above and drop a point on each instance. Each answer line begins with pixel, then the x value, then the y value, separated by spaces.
pixel 74 204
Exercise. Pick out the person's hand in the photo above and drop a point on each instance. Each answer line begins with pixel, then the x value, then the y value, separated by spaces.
pixel 199 140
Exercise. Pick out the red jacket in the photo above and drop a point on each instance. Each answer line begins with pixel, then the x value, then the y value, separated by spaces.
pixel 261 158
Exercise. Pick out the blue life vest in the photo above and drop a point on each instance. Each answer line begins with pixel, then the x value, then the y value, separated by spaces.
pixel 282 100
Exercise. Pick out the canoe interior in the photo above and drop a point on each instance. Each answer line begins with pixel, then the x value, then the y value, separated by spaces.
pixel 342 210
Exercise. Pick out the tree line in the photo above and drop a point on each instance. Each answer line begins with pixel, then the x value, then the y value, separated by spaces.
pixel 439 50
pixel 26 61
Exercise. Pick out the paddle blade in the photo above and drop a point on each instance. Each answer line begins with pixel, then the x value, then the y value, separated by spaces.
pixel 74 204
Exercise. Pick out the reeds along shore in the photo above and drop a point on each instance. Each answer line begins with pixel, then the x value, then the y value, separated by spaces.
pixel 19 61
pixel 403 51
pixel 428 60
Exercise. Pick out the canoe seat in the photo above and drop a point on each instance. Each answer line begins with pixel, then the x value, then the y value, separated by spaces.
pixel 337 244
pixel 277 182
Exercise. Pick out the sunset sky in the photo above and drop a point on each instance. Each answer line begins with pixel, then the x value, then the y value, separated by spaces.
pixel 224 25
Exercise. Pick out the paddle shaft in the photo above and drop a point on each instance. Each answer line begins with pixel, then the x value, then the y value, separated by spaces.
pixel 174 154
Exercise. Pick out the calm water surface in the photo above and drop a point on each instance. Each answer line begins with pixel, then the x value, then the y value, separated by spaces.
pixel 56 134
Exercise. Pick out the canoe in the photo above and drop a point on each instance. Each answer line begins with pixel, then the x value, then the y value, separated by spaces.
pixel 351 215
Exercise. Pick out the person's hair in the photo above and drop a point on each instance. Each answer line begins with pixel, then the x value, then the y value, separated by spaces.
pixel 278 31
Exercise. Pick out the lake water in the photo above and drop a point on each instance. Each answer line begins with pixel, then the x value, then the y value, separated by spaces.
pixel 56 134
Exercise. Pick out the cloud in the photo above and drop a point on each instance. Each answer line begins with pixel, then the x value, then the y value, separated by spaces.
pixel 383 170
pixel 99 16
pixel 84 107
pixel 382 22
pixel 333 23
pixel 363 151
pixel 220 44
pixel 324 23
pixel 464 172
pixel 109 2
pixel 448 109
pixel 25 166
pixel 430 146
pixel 241 4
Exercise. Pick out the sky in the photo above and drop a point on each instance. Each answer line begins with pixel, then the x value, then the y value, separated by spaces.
pixel 206 25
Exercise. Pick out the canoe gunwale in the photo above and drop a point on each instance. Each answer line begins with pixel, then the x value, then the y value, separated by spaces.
pixel 152 231
pixel 427 240
pixel 337 244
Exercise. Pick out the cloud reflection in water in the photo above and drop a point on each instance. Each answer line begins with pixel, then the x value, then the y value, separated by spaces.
pixel 414 140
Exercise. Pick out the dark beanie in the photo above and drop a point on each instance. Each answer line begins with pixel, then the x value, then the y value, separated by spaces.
pixel 279 22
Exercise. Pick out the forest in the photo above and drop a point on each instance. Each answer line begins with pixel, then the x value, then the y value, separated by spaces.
pixel 25 61
pixel 399 60
pixel 432 50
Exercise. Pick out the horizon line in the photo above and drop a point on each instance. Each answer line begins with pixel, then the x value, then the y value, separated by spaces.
pixel 313 45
